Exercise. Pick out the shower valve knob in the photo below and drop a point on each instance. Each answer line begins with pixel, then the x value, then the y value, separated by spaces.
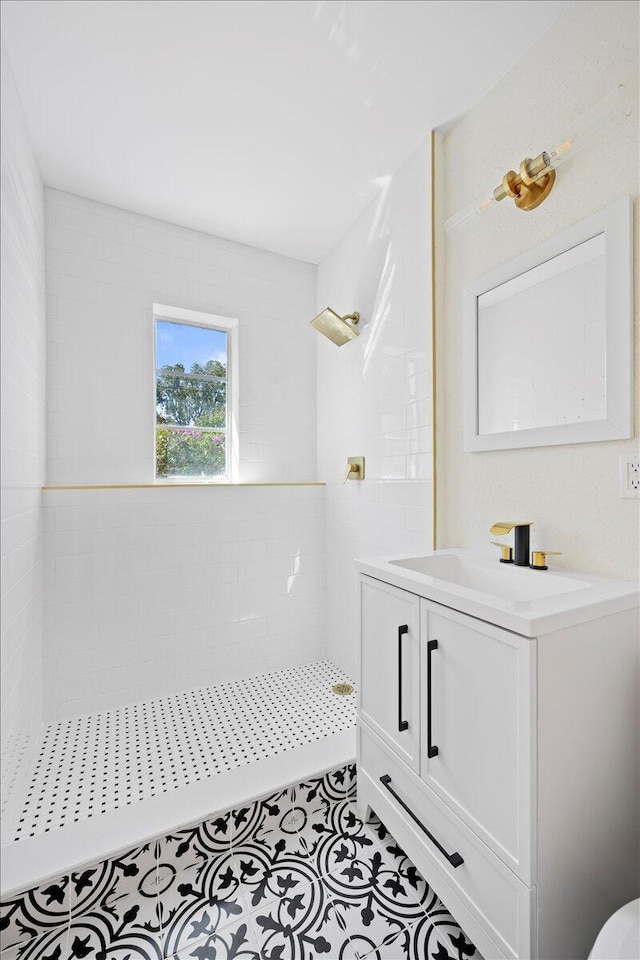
pixel 355 469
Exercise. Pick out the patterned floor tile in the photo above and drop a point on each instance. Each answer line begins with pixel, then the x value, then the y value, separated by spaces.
pixel 336 836
pixel 266 875
pixel 197 903
pixel 427 898
pixel 274 830
pixel 377 827
pixel 51 945
pixel 260 818
pixel 193 845
pixel 32 914
pixel 331 786
pixel 314 837
pixel 377 897
pixel 416 942
pixel 351 782
pixel 295 876
pixel 237 941
pixel 115 909
pixel 302 926
pixel 454 943
pixel 129 875
pixel 129 927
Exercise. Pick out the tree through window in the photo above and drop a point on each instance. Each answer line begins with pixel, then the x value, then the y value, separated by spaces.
pixel 192 386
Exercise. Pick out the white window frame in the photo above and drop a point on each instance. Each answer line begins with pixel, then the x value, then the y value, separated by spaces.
pixel 228 325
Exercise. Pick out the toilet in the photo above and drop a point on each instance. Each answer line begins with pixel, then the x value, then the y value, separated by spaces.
pixel 619 938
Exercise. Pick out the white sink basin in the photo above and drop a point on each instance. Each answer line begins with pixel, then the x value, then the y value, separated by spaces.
pixel 529 602
pixel 498 580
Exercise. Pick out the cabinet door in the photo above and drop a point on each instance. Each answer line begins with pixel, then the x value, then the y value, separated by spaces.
pixel 389 671
pixel 478 708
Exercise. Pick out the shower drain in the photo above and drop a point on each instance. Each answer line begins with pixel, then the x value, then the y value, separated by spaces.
pixel 342 689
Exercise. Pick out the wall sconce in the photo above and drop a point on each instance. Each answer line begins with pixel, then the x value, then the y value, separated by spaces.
pixel 535 179
pixel 530 186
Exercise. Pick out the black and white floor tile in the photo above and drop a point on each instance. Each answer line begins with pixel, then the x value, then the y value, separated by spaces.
pixel 295 876
pixel 91 764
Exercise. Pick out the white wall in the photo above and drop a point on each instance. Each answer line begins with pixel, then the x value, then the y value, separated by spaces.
pixel 570 491
pixel 153 590
pixel 149 591
pixel 105 269
pixel 374 393
pixel 23 419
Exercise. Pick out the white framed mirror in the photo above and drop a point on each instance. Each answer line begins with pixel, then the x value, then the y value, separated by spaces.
pixel 548 340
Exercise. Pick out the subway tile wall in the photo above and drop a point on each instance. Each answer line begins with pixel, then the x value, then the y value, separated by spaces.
pixel 106 267
pixel 152 591
pixel 23 427
pixel 149 591
pixel 375 393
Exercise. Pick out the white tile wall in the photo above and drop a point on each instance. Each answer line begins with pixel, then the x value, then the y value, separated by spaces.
pixel 152 591
pixel 374 394
pixel 105 269
pixel 23 422
pixel 149 591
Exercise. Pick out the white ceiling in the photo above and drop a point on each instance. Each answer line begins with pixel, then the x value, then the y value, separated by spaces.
pixel 271 122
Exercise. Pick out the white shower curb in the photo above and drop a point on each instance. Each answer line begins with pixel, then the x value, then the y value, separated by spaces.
pixel 48 856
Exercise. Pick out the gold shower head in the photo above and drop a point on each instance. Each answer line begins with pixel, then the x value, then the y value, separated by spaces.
pixel 336 328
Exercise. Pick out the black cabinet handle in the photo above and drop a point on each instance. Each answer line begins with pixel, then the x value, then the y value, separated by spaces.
pixel 454 858
pixel 402 724
pixel 432 751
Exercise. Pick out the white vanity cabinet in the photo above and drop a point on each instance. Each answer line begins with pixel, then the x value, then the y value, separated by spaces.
pixel 391 619
pixel 476 749
pixel 505 765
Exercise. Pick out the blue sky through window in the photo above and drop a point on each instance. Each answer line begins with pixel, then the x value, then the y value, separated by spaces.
pixel 186 344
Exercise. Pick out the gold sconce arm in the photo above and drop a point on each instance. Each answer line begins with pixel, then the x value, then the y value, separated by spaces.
pixel 530 186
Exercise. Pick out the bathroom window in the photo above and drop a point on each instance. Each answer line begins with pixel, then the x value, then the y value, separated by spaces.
pixel 195 395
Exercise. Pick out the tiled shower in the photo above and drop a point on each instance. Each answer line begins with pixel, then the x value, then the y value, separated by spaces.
pixel 131 606
pixel 152 591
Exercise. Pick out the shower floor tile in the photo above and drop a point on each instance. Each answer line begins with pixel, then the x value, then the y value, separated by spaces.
pixel 100 762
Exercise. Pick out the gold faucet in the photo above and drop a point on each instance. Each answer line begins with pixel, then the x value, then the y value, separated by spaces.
pixel 520 539
pixel 539 558
pixel 506 551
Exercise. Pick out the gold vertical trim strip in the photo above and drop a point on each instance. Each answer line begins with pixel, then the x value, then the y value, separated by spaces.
pixel 434 355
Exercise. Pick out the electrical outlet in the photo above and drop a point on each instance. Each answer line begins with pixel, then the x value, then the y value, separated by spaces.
pixel 629 477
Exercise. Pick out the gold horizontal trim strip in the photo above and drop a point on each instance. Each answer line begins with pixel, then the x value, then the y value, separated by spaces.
pixel 163 486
